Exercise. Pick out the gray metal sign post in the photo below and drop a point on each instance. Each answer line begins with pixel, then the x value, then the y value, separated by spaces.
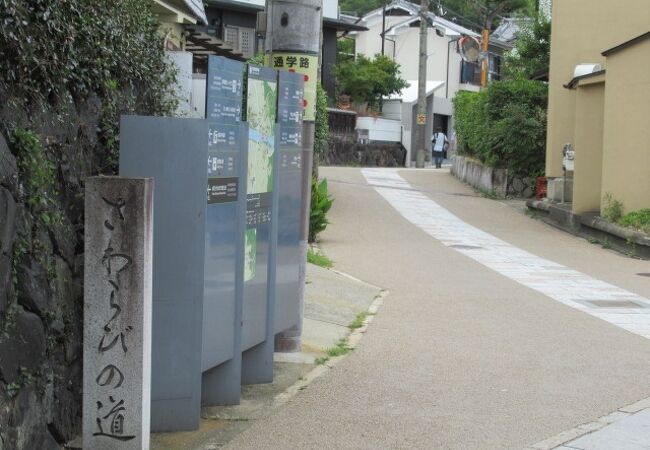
pixel 173 151
pixel 225 227
pixel 259 277
pixel 288 311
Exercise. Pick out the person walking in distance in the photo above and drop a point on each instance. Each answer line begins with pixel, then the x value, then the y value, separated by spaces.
pixel 440 143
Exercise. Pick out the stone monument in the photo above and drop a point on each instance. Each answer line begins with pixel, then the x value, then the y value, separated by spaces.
pixel 117 313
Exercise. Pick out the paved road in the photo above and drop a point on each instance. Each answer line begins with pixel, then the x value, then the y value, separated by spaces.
pixel 467 352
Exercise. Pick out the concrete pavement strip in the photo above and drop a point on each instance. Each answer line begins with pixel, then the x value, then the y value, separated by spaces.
pixel 333 300
pixel 627 428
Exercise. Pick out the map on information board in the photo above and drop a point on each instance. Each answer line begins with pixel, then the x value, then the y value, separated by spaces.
pixel 261 107
pixel 250 252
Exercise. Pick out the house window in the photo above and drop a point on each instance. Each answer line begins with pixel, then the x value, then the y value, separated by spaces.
pixel 494 69
pixel 470 73
pixel 241 39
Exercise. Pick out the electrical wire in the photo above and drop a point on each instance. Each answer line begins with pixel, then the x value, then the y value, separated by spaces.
pixel 457 15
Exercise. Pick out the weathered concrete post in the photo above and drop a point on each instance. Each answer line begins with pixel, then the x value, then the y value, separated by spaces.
pixel 117 313
pixel 293 44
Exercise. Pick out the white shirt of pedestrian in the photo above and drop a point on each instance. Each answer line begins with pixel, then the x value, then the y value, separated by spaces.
pixel 439 139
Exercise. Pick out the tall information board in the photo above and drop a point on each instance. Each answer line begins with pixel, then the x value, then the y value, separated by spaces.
pixel 290 116
pixel 224 238
pixel 257 360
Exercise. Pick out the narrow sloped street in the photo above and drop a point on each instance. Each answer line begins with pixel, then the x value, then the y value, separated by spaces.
pixel 499 331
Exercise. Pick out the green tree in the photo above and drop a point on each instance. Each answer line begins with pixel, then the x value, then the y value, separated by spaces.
pixel 344 49
pixel 360 7
pixel 532 50
pixel 481 13
pixel 368 80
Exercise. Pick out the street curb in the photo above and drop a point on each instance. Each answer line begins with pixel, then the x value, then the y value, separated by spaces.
pixel 594 228
pixel 353 340
pixel 589 427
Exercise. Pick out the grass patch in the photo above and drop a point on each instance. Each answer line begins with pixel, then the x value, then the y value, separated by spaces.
pixel 604 243
pixel 341 348
pixel 317 258
pixel 612 208
pixel 322 360
pixel 359 320
pixel 491 193
pixel 531 213
pixel 639 220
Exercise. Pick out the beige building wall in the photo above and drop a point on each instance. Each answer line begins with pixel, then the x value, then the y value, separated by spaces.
pixel 172 33
pixel 626 141
pixel 590 100
pixel 582 29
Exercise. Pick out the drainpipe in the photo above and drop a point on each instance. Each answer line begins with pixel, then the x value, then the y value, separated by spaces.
pixel 394 43
pixel 383 29
pixel 451 41
pixel 447 81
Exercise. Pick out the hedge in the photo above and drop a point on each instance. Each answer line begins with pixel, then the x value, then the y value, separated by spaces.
pixel 504 125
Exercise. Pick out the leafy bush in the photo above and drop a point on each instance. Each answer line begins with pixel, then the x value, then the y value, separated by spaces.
pixel 504 125
pixel 368 80
pixel 322 128
pixel 639 220
pixel 321 202
pixel 612 208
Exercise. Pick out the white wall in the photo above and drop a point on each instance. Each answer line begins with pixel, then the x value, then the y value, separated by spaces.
pixel 198 94
pixel 183 88
pixel 392 109
pixel 331 9
pixel 380 129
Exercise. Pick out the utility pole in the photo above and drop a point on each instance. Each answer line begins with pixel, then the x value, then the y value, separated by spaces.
pixel 421 117
pixel 293 30
pixel 485 58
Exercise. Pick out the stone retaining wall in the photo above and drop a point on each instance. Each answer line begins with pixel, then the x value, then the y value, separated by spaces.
pixel 483 178
pixel 490 179
pixel 341 152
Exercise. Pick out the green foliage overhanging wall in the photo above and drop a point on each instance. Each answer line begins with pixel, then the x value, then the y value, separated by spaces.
pixel 504 125
pixel 60 51
pixel 68 69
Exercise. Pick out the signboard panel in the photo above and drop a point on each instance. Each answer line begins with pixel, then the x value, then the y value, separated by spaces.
pixel 173 152
pixel 290 116
pixel 307 66
pixel 223 112
pixel 224 238
pixel 261 118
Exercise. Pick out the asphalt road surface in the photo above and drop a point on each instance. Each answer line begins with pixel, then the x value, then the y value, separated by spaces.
pixel 465 353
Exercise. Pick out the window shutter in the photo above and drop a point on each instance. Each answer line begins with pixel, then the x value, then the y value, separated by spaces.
pixel 231 37
pixel 247 42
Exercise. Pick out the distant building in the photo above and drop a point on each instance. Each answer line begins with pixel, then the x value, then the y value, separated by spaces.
pixel 599 102
pixel 231 31
pixel 173 15
pixel 396 29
